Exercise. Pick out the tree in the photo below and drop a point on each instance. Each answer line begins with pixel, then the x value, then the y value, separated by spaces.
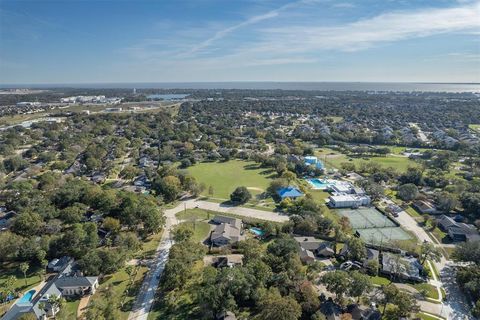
pixel 356 249
pixel 446 201
pixel 390 292
pixel 468 252
pixel 429 252
pixel 408 191
pixel 27 223
pixel 276 307
pixel 24 268
pixel 111 224
pixel 182 232
pixel 359 284
pixel 289 176
pixel 210 191
pixel 240 195
pixel 337 282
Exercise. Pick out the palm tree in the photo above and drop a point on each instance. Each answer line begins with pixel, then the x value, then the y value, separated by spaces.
pixel 24 268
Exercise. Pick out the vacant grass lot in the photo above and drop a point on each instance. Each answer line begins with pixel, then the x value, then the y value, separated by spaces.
pixel 224 177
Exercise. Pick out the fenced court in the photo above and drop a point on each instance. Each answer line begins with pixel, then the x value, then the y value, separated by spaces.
pixel 373 226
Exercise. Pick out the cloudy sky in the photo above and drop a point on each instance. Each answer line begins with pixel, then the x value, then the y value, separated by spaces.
pixel 239 40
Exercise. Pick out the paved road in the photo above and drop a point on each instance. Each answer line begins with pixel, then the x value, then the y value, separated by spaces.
pixel 456 306
pixel 146 295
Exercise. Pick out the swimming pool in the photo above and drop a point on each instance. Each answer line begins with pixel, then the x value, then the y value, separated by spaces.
pixel 27 297
pixel 320 184
pixel 257 231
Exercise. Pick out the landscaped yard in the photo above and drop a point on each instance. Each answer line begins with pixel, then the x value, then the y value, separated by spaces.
pixel 379 281
pixel 224 177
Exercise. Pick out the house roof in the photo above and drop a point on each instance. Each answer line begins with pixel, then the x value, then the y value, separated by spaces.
pixel 289 192
pixel 459 228
pixel 230 231
pixel 308 243
pixel 409 267
pixel 64 282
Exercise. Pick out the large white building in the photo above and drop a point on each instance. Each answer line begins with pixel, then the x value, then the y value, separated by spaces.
pixel 348 201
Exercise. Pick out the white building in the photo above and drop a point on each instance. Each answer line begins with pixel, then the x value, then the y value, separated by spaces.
pixel 348 201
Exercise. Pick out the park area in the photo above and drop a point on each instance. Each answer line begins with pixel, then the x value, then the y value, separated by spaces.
pixel 373 226
pixel 224 177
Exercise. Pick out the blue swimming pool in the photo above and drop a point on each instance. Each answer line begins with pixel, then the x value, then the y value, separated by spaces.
pixel 257 231
pixel 27 297
pixel 320 184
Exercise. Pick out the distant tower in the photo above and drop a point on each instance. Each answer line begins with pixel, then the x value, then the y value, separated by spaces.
pixel 134 91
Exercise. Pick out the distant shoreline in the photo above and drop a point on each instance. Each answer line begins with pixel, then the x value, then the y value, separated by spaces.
pixel 270 85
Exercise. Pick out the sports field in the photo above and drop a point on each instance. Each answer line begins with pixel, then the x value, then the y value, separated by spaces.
pixel 373 226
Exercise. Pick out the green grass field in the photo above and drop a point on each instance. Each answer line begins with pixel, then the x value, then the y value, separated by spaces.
pixel 201 229
pixel 224 177
pixel 334 159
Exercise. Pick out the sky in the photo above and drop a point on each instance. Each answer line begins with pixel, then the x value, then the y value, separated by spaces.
pixel 82 41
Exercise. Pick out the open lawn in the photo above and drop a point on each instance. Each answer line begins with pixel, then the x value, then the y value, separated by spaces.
pixel 12 269
pixel 224 177
pixel 379 281
pixel 201 229
pixel 334 159
pixel 206 215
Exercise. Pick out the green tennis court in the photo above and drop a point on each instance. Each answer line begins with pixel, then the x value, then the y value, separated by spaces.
pixel 373 226
pixel 366 218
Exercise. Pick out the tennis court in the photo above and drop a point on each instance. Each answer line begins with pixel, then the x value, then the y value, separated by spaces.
pixel 366 218
pixel 373 226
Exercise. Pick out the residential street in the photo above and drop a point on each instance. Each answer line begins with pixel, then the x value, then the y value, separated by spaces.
pixel 146 295
pixel 456 306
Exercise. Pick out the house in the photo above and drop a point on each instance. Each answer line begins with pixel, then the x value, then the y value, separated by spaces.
pixel 227 231
pixel 458 231
pixel 230 261
pixel 406 268
pixel 316 246
pixel 425 207
pixel 77 286
pixel 56 265
pixel 67 283
pixel 306 256
pixel 372 255
pixel 348 201
pixel 289 192
pixel 313 161
pixel 98 178
pixel 363 313
pixel 325 250
pixel 6 219
pixel 331 310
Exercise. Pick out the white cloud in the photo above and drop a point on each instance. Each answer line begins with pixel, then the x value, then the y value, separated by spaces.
pixel 366 33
